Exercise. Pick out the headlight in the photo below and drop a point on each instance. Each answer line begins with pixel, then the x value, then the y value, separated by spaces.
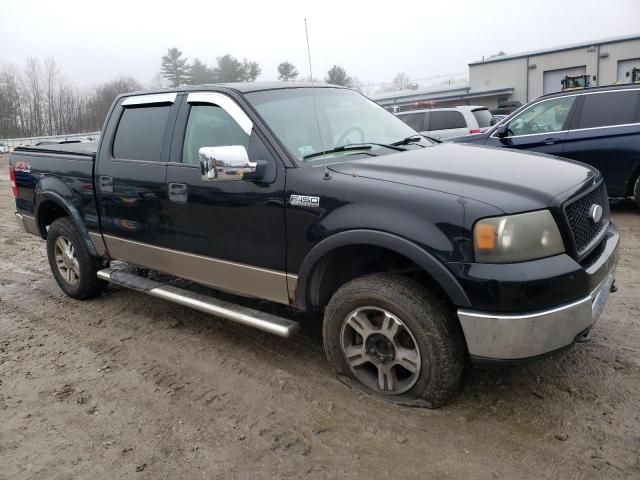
pixel 516 238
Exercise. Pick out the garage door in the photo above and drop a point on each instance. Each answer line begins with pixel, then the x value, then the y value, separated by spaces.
pixel 551 78
pixel 625 66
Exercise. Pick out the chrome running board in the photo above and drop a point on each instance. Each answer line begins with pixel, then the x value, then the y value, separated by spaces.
pixel 280 326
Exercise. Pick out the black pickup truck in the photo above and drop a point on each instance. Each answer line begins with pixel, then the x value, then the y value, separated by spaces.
pixel 420 254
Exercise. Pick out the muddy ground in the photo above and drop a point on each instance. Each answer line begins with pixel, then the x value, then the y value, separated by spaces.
pixel 129 387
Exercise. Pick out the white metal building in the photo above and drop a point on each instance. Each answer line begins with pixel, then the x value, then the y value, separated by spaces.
pixel 536 73
pixel 524 76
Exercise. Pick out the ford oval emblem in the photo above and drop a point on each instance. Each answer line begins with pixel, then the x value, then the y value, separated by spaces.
pixel 595 212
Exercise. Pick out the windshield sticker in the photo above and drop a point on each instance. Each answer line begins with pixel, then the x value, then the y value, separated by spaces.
pixel 306 150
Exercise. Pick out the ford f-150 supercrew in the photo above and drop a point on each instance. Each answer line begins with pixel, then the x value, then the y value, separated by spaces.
pixel 420 254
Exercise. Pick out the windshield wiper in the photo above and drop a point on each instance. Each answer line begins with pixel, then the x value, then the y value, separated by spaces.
pixel 353 146
pixel 413 139
pixel 343 148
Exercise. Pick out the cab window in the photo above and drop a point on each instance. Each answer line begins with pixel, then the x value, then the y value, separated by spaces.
pixel 210 126
pixel 140 133
pixel 544 117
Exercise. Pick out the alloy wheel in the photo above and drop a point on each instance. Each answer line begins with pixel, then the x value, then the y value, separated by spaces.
pixel 66 260
pixel 381 351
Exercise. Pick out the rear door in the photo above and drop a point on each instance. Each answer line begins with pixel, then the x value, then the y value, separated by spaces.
pixel 446 124
pixel 605 133
pixel 542 127
pixel 130 175
pixel 225 233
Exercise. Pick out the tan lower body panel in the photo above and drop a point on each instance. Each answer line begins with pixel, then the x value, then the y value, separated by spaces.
pixel 220 274
pixel 98 244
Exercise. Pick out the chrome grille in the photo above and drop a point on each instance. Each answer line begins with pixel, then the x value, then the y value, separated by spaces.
pixel 586 233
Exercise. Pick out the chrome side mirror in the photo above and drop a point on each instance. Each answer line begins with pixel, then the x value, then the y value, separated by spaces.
pixel 226 163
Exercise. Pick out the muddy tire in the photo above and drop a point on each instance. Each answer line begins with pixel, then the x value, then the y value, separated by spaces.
pixel 388 336
pixel 71 264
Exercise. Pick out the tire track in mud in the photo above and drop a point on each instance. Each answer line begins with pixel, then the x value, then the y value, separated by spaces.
pixel 294 400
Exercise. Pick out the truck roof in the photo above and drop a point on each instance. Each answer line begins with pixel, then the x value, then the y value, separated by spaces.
pixel 242 87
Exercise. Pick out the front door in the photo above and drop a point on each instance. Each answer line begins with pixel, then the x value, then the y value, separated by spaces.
pixel 542 127
pixel 227 233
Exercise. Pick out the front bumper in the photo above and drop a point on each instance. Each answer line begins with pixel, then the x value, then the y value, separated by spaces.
pixel 505 337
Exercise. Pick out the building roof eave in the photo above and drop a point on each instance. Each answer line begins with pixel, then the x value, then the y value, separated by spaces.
pixel 532 53
pixel 426 97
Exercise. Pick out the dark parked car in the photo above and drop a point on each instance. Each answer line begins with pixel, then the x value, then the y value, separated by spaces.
pixel 418 253
pixel 598 126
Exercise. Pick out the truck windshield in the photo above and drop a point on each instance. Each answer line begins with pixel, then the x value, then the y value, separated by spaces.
pixel 344 118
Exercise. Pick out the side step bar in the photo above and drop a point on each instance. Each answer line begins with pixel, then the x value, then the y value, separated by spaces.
pixel 282 327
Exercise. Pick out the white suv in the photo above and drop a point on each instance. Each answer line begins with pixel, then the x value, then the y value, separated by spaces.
pixel 445 123
pixel 4 148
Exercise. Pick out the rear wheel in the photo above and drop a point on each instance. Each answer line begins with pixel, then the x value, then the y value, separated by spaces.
pixel 387 336
pixel 72 266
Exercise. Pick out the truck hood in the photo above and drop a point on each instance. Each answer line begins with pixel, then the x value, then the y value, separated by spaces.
pixel 512 181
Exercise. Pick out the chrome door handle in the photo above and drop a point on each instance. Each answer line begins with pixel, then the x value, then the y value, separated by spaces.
pixel 551 141
pixel 105 183
pixel 178 192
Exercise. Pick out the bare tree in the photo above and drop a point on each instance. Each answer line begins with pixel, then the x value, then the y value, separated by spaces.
pixel 34 94
pixel 401 81
pixel 39 101
pixel 51 74
pixel 11 110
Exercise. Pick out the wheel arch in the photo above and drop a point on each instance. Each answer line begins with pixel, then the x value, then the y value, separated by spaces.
pixel 50 206
pixel 312 274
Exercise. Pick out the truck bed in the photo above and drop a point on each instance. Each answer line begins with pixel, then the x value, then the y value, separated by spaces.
pixel 77 148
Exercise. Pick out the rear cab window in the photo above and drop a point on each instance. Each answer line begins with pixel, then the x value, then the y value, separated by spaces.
pixel 140 133
pixel 608 109
pixel 446 120
pixel 483 117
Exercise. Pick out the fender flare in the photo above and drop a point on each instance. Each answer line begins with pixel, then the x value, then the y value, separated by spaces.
pixel 72 211
pixel 419 256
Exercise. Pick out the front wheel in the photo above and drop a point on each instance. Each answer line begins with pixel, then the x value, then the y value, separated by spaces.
pixel 388 336
pixel 72 266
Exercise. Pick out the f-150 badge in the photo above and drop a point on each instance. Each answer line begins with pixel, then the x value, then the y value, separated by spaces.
pixel 304 201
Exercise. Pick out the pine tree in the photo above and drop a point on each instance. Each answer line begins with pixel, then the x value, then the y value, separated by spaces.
pixel 338 76
pixel 175 68
pixel 287 71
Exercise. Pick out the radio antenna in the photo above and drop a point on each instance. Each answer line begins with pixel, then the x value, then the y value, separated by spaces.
pixel 315 105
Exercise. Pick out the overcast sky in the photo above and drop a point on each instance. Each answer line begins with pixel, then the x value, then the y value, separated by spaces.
pixel 95 41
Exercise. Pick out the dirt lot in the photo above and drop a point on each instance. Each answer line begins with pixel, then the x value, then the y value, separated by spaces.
pixel 129 387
